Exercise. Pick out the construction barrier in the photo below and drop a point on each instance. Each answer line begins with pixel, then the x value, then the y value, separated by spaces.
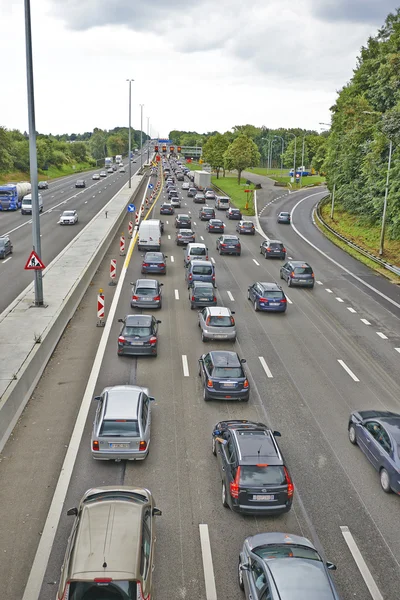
pixel 100 309
pixel 142 210
pixel 113 271
pixel 122 245
pixel 136 218
pixel 130 228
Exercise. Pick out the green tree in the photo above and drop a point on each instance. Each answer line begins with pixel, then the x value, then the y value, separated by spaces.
pixel 6 158
pixel 79 151
pixel 115 145
pixel 97 145
pixel 241 154
pixel 214 150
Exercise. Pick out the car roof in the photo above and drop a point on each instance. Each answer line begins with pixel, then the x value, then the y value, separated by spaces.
pixel 122 402
pixel 269 285
pixel 182 215
pixel 184 231
pixel 229 235
pixel 155 254
pixel 215 221
pixel 296 577
pixel 147 283
pixel 299 263
pixel 257 446
pixel 207 208
pixel 273 537
pixel 272 242
pixel 138 320
pixel 224 358
pixel 284 212
pixel 219 311
pixel 197 263
pixel 233 209
pixel 207 284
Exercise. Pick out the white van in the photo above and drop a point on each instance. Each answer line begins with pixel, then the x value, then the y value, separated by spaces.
pixel 26 204
pixel 222 202
pixel 195 251
pixel 149 235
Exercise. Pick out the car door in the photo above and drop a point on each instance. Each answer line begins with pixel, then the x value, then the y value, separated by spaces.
pixel 154 326
pixel 147 553
pixel 381 449
pixel 367 434
pixel 228 462
pixel 219 240
pixel 285 270
pixel 202 318
pixel 206 368
pixel 97 417
pixel 257 581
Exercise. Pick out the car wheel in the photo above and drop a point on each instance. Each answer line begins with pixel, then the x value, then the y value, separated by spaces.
pixel 240 576
pixel 219 251
pixel 238 253
pixel 280 273
pixel 203 337
pixel 385 481
pixel 223 496
pixel 352 435
pixel 289 281
pixel 248 295
pixel 213 446
pixel 205 395
pixel 255 306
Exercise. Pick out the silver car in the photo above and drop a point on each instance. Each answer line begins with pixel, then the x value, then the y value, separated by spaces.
pixel 121 429
pixel 217 323
pixel 146 293
pixel 176 203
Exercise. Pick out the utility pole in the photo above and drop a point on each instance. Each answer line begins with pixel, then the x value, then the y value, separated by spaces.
pixel 130 133
pixel 333 200
pixel 381 246
pixel 148 139
pixel 33 154
pixel 302 159
pixel 141 135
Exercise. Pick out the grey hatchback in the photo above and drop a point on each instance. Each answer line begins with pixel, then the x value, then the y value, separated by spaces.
pixel 297 273
pixel 284 217
pixel 217 323
pixel 121 428
pixel 223 376
pixel 273 249
pixel 200 270
pixel 202 294
pixel 270 563
pixel 146 293
pixel 138 335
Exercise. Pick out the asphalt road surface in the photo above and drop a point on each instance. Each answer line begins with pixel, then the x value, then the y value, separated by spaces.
pixel 323 361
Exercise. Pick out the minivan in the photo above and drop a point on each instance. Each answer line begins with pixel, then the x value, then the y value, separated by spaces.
pixel 26 205
pixel 222 202
pixel 200 270
pixel 149 237
pixel 195 251
pixel 110 552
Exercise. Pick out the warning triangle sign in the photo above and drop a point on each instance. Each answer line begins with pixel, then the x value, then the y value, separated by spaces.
pixel 34 263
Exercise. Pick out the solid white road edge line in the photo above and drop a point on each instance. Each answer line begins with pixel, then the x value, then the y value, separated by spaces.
pixel 185 365
pixel 346 368
pixel 209 578
pixel 303 237
pixel 231 298
pixel 176 294
pixel 265 367
pixel 39 565
pixel 361 564
pixel 382 335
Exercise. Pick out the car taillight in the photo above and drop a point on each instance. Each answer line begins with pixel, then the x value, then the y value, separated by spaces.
pixel 246 384
pixel 95 445
pixel 211 226
pixel 232 321
pixel 121 339
pixel 145 264
pixel 135 297
pixel 190 276
pixel 283 249
pixel 289 482
pixel 208 321
pixel 157 298
pixel 234 485
pixel 222 245
pixel 162 264
pixel 209 383
pixel 268 249
pixel 312 275
pixel 283 301
pixel 264 300
pixel 153 340
pixel 213 277
pixel 142 445
pixel 292 274
pixel 214 298
pixel 207 257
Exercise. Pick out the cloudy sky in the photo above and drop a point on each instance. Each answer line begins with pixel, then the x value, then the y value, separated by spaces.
pixel 202 65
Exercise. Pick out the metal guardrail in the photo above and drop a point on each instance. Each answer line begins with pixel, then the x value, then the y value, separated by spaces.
pixel 379 261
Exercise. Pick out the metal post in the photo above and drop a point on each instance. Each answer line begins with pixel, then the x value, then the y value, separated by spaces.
pixel 333 200
pixel 130 133
pixel 283 150
pixel 148 139
pixel 294 162
pixel 33 154
pixel 385 200
pixel 141 135
pixel 302 159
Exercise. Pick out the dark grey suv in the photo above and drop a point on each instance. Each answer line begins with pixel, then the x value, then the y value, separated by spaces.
pixel 299 273
pixel 273 249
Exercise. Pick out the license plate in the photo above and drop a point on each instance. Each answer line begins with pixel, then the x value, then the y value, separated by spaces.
pixel 263 497
pixel 119 445
pixel 154 265
pixel 146 299
pixel 136 343
pixel 274 303
pixel 232 247
pixel 229 384
pixel 222 337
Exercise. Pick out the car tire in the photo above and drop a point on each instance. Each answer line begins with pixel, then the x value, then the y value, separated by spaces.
pixel 385 481
pixel 255 305
pixel 352 434
pixel 248 295
pixel 205 395
pixel 213 446
pixel 203 337
pixel 223 496
pixel 240 575
pixel 280 275
pixel 289 282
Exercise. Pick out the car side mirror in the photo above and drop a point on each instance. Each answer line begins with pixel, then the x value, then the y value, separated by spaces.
pixel 156 512
pixel 277 434
pixel 331 566
pixel 232 312
pixel 158 321
pixel 161 284
pixel 245 567
pixel 132 283
pixel 97 398
pixel 152 399
pixel 242 360
pixel 72 511
pixel 120 320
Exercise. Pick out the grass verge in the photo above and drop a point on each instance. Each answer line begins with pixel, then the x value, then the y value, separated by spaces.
pixel 236 192
pixel 52 173
pixel 284 177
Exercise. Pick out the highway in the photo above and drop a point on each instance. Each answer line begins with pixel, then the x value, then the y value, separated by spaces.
pixel 61 195
pixel 323 361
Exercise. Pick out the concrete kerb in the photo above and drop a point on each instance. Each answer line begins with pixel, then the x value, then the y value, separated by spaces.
pixel 29 335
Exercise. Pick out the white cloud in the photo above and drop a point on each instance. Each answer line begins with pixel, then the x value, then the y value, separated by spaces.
pixel 203 67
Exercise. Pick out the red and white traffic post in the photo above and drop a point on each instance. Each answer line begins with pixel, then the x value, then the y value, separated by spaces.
pixel 100 309
pixel 113 271
pixel 136 218
pixel 122 245
pixel 130 228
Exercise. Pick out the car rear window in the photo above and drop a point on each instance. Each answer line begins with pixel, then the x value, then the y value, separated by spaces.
pixel 204 291
pixel 146 291
pixel 273 294
pixel 276 246
pixel 228 372
pixel 137 331
pixel 231 240
pixel 196 251
pixel 286 551
pixel 220 321
pixel 303 270
pixel 92 590
pixel 208 210
pixel 254 476
pixel 202 270
pixel 119 428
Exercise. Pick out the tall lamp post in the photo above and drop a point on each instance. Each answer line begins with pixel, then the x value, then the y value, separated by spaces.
pixel 148 139
pixel 141 135
pixel 294 159
pixel 130 133
pixel 283 146
pixel 33 154
pixel 302 158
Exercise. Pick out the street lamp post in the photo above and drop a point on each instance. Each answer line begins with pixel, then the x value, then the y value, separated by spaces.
pixel 130 133
pixel 294 159
pixel 381 245
pixel 148 139
pixel 141 135
pixel 302 159
pixel 33 154
pixel 283 146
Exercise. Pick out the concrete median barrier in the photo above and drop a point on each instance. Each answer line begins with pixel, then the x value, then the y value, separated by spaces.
pixel 29 334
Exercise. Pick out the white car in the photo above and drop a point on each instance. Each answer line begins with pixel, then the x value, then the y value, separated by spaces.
pixel 69 217
pixel 121 164
pixel 95 176
pixel 185 185
pixel 110 170
pixel 122 170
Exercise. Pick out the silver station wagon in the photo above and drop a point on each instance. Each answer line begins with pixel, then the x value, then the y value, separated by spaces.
pixel 121 429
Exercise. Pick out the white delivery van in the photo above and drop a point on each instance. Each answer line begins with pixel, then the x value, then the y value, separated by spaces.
pixel 222 202
pixel 149 237
pixel 26 204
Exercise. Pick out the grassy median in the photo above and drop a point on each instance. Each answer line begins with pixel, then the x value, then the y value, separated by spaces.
pixel 282 176
pixel 51 173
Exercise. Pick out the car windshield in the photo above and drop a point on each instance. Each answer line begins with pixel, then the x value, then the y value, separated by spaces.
pixel 198 251
pixel 119 428
pixel 5 193
pixel 228 372
pixel 113 590
pixel 286 551
pixel 202 270
pixel 273 294
pixel 303 270
pixel 255 476
pixel 137 331
pixel 247 224
pixel 2 243
pixel 68 213
pixel 146 291
pixel 220 321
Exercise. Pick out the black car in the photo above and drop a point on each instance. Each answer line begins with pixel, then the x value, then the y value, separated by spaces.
pixel 199 198
pixel 185 236
pixel 167 209
pixel 215 226
pixel 234 213
pixel 191 192
pixel 206 213
pixel 183 221
pixel 138 335
pixel 229 244
pixel 273 249
pixel 43 185
pixel 284 217
pixel 223 376
pixel 173 194
pixel 246 227
pixel 6 246
pixel 255 478
pixel 154 262
pixel 299 273
pixel 80 183
pixel 201 294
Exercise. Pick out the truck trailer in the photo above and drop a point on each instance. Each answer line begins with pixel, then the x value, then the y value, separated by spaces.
pixel 202 179
pixel 11 195
pixel 118 158
pixel 108 162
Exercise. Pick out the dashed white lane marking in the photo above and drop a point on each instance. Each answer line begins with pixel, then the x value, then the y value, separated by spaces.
pixel 208 569
pixel 288 299
pixel 382 335
pixel 169 237
pixel 166 222
pixel 351 309
pixel 185 365
pixel 172 259
pixel 346 368
pixel 328 290
pixel 257 263
pixel 339 300
pixel 397 350
pixel 176 294
pixel 7 259
pixel 320 283
pixel 231 298
pixel 201 237
pixel 265 367
pixel 194 223
pixel 361 564
pixel 365 321
pixel 290 258
pixel 212 260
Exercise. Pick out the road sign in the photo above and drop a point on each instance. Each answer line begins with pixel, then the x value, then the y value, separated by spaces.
pixel 34 263
pixel 165 141
pixel 150 186
pixel 153 163
pixel 131 208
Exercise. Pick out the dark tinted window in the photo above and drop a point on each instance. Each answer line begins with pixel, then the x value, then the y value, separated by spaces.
pixel 228 372
pixel 273 293
pixel 114 590
pixel 202 270
pixel 271 475
pixel 137 331
pixel 230 240
pixel 119 427
pixel 203 291
pixel 303 270
pixel 2 243
pixel 286 551
pixel 220 321
pixel 196 251
pixel 275 246
pixel 146 291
